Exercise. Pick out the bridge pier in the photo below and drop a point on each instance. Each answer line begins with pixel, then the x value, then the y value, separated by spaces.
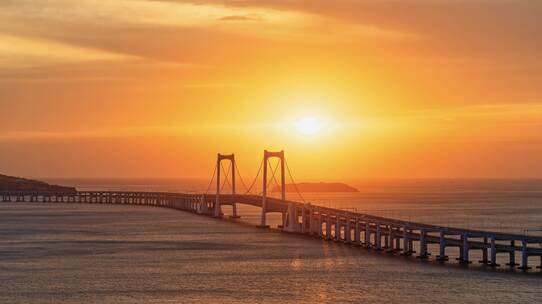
pixel 367 240
pixel 328 227
pixel 320 222
pixel 378 237
pixel 484 259
pixel 390 239
pixel 290 221
pixel 347 231
pixel 337 228
pixel 493 253
pixel 263 220
pixel 512 256
pixel 357 233
pixel 442 248
pixel 465 249
pixel 303 219
pixel 407 250
pixel 310 221
pixel 423 245
pixel 524 256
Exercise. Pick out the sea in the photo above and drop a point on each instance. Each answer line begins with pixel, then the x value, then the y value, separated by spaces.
pixel 84 253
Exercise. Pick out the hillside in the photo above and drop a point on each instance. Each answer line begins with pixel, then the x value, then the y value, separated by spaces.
pixel 10 183
pixel 318 187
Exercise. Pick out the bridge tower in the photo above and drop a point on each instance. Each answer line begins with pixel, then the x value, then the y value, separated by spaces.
pixel 266 156
pixel 288 222
pixel 220 158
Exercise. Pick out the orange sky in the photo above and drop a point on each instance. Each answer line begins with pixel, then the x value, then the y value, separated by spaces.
pixel 400 88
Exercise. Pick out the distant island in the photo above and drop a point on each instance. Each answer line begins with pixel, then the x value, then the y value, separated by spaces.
pixel 318 187
pixel 10 183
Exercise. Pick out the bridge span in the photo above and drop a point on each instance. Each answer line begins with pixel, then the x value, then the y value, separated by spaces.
pixel 379 233
pixel 394 236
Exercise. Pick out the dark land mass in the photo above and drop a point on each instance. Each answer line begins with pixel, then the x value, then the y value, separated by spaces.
pixel 318 187
pixel 10 183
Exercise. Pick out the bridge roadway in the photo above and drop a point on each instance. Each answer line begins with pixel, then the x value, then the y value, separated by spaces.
pixel 379 233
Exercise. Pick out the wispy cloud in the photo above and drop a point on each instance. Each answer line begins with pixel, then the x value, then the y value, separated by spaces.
pixel 241 18
pixel 140 12
pixel 17 52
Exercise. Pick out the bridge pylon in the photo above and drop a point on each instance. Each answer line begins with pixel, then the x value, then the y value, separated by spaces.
pixel 220 158
pixel 266 156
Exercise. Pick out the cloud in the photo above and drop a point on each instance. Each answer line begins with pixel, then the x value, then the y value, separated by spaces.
pixel 21 52
pixel 240 18
pixel 141 12
pixel 280 23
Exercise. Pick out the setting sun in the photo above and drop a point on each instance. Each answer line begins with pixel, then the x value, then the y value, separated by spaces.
pixel 309 125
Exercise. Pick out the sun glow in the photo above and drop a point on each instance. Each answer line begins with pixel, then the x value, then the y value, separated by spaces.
pixel 309 125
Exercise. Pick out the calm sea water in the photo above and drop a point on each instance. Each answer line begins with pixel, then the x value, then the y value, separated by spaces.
pixel 79 253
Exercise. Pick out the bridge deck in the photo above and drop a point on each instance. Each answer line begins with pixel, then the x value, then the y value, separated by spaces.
pixel 348 226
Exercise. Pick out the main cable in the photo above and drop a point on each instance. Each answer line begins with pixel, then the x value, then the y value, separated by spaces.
pixel 212 179
pixel 293 181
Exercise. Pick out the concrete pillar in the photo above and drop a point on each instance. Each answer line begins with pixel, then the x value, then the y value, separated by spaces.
pixel 512 257
pixel 303 219
pixel 337 227
pixel 460 248
pixel 493 252
pixel 378 237
pixel 320 221
pixel 347 232
pixel 367 235
pixel 390 239
pixel 524 256
pixel 484 259
pixel 406 241
pixel 465 247
pixel 328 227
pixel 291 224
pixel 423 245
pixel 357 233
pixel 442 247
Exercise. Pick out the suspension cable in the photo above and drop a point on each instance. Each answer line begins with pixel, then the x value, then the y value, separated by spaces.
pixel 274 178
pixel 273 172
pixel 240 177
pixel 212 179
pixel 293 181
pixel 226 177
pixel 255 178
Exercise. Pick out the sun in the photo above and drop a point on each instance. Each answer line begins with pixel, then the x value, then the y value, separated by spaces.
pixel 308 125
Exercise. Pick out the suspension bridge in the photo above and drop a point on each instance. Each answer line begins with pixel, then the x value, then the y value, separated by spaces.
pixel 394 236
